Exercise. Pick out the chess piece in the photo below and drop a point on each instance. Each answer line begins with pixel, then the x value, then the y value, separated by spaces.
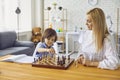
pixel 63 59
pixel 61 62
pixel 68 57
pixel 76 63
pixel 34 60
pixel 45 57
pixel 58 60
pixel 38 59
pixel 54 58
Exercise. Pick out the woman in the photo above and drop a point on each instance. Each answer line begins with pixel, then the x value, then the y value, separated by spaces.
pixel 96 46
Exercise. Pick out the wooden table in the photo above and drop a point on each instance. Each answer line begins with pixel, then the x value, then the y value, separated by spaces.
pixel 15 71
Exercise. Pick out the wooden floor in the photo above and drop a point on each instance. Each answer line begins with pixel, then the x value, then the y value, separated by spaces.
pixel 15 71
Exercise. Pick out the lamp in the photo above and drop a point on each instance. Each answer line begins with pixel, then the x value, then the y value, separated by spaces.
pixel 18 11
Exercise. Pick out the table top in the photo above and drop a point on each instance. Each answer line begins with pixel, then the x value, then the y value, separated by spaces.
pixel 15 71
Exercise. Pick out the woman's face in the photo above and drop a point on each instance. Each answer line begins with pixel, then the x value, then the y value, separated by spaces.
pixel 89 22
pixel 49 41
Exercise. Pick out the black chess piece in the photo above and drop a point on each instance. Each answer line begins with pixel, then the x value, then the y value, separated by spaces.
pixel 63 59
pixel 61 62
pixel 68 57
pixel 58 63
pixel 40 58
pixel 58 58
pixel 34 60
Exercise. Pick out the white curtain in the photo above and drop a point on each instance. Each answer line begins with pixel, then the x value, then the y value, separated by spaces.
pixel 9 19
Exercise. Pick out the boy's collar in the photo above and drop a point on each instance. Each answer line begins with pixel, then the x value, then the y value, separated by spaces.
pixel 46 45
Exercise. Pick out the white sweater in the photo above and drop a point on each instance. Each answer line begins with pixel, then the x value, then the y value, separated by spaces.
pixel 107 58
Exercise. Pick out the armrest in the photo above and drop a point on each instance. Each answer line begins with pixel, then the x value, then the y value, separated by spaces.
pixel 24 44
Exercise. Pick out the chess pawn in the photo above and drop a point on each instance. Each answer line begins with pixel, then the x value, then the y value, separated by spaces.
pixel 42 57
pixel 61 62
pixel 35 60
pixel 68 57
pixel 45 57
pixel 55 59
pixel 48 57
pixel 76 63
pixel 38 59
pixel 58 60
pixel 63 59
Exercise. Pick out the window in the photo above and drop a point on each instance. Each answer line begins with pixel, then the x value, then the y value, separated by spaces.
pixel 9 20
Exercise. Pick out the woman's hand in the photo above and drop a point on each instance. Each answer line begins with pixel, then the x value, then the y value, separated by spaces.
pixel 86 62
pixel 80 59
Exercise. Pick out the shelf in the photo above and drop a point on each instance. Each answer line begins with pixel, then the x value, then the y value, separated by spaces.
pixel 73 33
pixel 57 18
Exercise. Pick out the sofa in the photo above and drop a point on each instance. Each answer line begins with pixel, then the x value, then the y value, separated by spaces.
pixel 10 45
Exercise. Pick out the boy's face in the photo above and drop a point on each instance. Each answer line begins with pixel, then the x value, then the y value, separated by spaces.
pixel 50 41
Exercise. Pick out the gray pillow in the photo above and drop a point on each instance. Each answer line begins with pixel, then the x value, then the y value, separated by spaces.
pixel 7 39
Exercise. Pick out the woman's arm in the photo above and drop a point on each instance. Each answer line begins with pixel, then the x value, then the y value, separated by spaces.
pixel 91 63
pixel 111 59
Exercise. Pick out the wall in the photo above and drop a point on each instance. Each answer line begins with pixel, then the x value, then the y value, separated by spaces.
pixel 23 36
pixel 78 8
pixel 76 11
pixel 12 20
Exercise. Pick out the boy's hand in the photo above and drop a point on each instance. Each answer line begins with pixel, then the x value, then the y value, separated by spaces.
pixel 51 50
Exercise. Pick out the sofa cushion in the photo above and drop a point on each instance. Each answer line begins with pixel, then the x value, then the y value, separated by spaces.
pixel 7 39
pixel 13 50
pixel 24 44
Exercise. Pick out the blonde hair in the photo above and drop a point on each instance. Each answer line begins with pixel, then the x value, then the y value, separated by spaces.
pixel 100 27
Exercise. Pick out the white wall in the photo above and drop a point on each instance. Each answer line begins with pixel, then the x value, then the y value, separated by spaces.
pixel 11 18
pixel 77 10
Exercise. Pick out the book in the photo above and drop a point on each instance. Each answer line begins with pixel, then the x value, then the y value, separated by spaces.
pixel 22 58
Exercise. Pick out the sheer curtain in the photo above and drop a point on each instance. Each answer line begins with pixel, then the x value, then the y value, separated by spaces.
pixel 8 17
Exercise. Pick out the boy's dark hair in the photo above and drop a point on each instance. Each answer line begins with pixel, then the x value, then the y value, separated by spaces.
pixel 49 32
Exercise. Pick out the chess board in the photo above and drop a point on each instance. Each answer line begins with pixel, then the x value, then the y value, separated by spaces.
pixel 53 63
